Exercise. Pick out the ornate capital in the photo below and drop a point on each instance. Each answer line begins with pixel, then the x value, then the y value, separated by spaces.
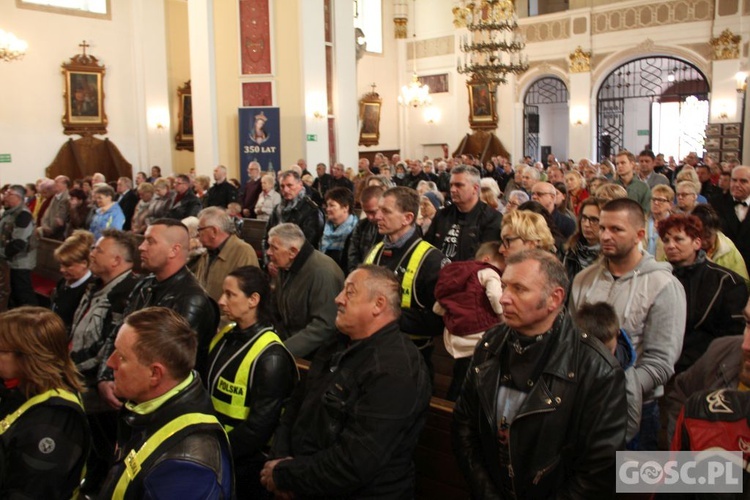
pixel 579 61
pixel 399 27
pixel 726 45
pixel 460 16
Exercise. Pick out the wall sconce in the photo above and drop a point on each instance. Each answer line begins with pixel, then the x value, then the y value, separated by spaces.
pixel 723 115
pixel 316 105
pixel 741 79
pixel 578 116
pixel 158 119
pixel 431 114
pixel 318 115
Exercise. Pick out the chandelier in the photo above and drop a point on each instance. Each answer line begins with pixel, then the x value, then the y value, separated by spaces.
pixel 11 48
pixel 415 94
pixel 493 46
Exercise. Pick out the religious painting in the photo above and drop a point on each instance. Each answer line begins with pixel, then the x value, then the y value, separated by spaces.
pixel 482 114
pixel 729 155
pixel 184 137
pixel 438 83
pixel 260 137
pixel 713 129
pixel 84 95
pixel 731 129
pixel 369 115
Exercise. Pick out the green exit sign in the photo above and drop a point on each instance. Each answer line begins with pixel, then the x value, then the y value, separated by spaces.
pixel 5 158
pixel 312 137
pixel 643 132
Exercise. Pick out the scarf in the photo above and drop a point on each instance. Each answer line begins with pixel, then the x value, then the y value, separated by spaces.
pixel 334 238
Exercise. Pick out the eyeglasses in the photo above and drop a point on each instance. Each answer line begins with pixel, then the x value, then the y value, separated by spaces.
pixel 683 195
pixel 594 221
pixel 508 240
pixel 659 200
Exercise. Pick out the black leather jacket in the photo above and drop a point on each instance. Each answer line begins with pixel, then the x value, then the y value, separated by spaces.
pixel 182 293
pixel 479 225
pixel 182 458
pixel 353 424
pixel 187 206
pixel 364 236
pixel 563 440
pixel 306 214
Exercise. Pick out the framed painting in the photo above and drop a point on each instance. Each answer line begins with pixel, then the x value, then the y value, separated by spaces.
pixel 730 143
pixel 438 83
pixel 731 129
pixel 729 155
pixel 184 137
pixel 712 143
pixel 84 96
pixel 713 129
pixel 482 114
pixel 369 115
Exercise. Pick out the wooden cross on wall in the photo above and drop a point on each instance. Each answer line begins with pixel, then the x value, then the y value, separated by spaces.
pixel 84 45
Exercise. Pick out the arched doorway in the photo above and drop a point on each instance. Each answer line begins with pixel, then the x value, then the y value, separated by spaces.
pixel 659 101
pixel 545 119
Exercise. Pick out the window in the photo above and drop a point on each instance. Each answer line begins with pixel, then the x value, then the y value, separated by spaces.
pixel 368 16
pixel 86 8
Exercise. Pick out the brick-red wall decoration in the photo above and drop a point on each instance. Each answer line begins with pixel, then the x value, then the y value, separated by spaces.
pixel 257 94
pixel 255 37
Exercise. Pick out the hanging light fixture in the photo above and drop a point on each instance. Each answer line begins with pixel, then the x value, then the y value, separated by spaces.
pixel 415 94
pixel 11 47
pixel 493 47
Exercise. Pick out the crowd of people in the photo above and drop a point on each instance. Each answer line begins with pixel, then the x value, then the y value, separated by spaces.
pixel 588 308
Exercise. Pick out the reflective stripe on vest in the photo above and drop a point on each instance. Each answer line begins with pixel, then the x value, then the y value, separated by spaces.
pixel 134 460
pixel 239 388
pixel 220 336
pixel 412 267
pixel 10 419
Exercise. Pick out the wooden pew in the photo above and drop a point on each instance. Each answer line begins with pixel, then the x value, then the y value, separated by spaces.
pixel 253 231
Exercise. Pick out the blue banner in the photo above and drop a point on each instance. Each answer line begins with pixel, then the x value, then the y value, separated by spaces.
pixel 260 138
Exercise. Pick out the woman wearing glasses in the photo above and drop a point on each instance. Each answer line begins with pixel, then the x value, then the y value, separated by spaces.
pixel 524 230
pixel 583 247
pixel 662 197
pixel 44 436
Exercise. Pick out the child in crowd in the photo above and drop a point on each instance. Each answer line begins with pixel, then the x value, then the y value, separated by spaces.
pixel 467 295
pixel 600 320
pixel 234 210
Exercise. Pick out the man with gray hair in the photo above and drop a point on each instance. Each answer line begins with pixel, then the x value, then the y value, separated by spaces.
pixel 296 208
pixel 459 229
pixel 250 192
pixel 225 251
pixel 127 199
pixel 551 383
pixel 305 286
pixel 222 193
pixel 529 177
pixel 17 250
pixel 55 217
pixel 375 392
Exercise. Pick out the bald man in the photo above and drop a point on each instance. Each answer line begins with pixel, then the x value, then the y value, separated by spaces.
pixel 164 253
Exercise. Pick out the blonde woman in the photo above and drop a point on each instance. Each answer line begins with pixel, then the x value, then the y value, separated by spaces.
pixel 576 186
pixel 524 230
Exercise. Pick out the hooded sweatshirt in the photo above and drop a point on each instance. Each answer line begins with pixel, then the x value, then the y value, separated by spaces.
pixel 651 306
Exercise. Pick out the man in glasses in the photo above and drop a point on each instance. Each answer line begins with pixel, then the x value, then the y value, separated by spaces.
pixel 544 193
pixel 184 203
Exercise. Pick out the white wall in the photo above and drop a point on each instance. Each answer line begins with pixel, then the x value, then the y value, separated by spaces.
pixel 553 129
pixel 31 112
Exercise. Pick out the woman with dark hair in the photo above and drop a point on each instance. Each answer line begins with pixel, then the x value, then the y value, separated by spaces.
pixel 562 200
pixel 108 214
pixel 583 247
pixel 73 257
pixel 250 375
pixel 44 436
pixel 340 222
pixel 718 247
pixel 80 213
pixel 715 295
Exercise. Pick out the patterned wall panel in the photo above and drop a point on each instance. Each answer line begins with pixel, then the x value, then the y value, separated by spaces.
pixel 649 15
pixel 257 94
pixel 547 31
pixel 255 37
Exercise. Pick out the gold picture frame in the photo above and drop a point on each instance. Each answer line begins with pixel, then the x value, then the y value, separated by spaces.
pixel 184 137
pixel 84 95
pixel 482 107
pixel 369 114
